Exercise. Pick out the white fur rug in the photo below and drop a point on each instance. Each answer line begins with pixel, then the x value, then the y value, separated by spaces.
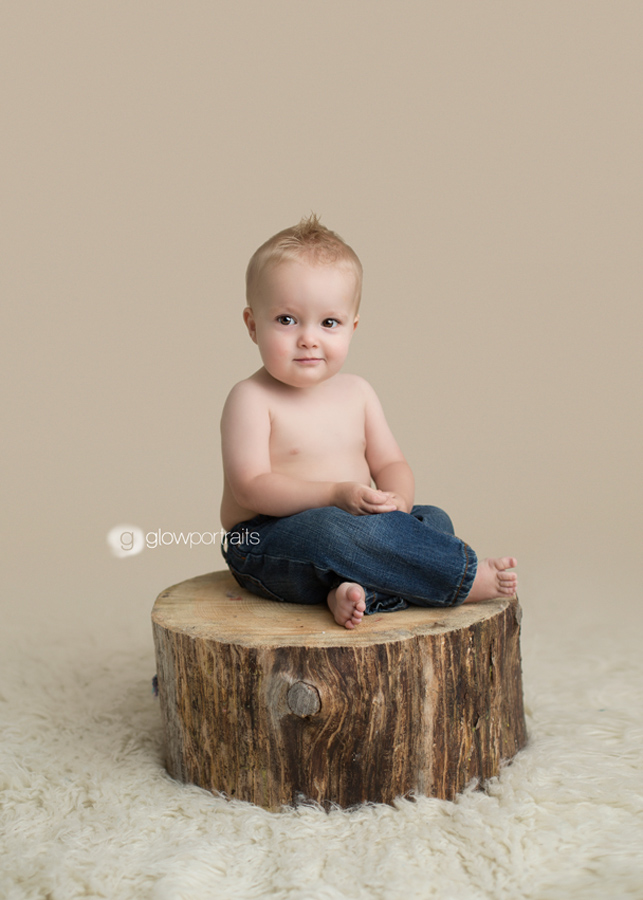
pixel 88 810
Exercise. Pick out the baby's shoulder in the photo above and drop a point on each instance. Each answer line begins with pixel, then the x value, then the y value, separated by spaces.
pixel 348 382
pixel 256 385
pixel 355 385
pixel 249 394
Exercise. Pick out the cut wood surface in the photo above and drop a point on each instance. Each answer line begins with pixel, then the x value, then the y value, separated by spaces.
pixel 275 703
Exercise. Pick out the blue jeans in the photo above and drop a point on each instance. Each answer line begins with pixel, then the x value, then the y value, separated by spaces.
pixel 400 559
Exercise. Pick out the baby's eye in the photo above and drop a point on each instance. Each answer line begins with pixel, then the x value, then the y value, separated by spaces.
pixel 330 323
pixel 285 320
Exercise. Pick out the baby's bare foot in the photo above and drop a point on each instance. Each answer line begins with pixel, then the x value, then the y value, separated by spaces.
pixel 493 580
pixel 347 603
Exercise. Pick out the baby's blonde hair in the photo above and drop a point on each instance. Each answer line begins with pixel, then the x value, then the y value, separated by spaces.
pixel 308 240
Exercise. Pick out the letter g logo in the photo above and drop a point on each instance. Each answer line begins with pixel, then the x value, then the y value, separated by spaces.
pixel 125 540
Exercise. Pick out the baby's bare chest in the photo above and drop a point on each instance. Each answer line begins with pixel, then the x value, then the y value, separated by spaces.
pixel 306 432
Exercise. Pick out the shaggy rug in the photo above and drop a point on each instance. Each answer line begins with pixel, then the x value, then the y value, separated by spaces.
pixel 89 811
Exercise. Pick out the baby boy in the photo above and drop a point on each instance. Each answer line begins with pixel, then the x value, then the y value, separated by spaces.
pixel 303 443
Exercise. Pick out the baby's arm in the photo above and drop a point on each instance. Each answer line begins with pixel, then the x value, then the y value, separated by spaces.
pixel 390 470
pixel 245 433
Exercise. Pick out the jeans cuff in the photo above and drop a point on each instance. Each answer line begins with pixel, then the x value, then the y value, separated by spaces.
pixel 468 576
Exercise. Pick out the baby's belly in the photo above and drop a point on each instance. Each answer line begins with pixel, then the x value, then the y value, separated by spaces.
pixel 323 469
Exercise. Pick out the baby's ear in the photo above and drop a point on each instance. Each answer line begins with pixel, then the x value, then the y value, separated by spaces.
pixel 249 319
pixel 355 322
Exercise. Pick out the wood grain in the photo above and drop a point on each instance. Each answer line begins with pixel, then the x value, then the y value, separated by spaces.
pixel 275 703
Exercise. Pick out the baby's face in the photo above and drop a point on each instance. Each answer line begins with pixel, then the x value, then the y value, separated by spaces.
pixel 303 320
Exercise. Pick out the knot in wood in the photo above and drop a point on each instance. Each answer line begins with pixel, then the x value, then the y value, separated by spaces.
pixel 303 699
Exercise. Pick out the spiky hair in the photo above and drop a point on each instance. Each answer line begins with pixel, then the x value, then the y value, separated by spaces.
pixel 308 240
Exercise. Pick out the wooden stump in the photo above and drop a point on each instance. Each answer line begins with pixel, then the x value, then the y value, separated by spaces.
pixel 275 703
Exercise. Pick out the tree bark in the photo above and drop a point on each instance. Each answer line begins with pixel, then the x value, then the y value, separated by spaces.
pixel 275 703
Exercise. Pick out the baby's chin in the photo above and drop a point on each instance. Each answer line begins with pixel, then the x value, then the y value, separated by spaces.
pixel 304 375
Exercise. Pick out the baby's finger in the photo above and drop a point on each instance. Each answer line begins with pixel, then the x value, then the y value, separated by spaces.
pixel 380 507
pixel 376 497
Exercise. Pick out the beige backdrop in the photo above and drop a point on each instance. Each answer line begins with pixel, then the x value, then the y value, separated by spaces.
pixel 484 160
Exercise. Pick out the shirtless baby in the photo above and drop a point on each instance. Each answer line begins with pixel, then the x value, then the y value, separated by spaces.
pixel 303 443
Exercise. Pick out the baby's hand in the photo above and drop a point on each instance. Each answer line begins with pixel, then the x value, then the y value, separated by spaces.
pixel 359 500
pixel 400 502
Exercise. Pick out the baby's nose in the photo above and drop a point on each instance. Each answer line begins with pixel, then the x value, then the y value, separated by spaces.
pixel 308 338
